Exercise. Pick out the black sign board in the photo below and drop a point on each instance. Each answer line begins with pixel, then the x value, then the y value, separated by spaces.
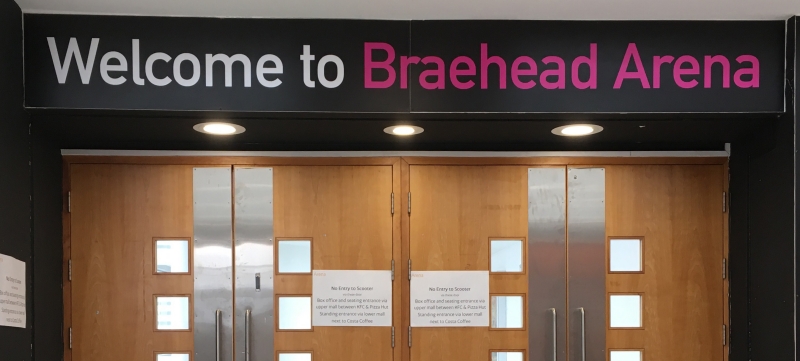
pixel 360 66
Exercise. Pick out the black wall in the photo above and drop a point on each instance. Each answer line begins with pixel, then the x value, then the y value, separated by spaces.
pixel 796 109
pixel 15 177
pixel 30 206
pixel 47 255
pixel 763 216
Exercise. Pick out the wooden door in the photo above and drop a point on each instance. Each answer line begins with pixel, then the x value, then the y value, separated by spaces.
pixel 117 213
pixel 456 211
pixel 346 213
pixel 677 213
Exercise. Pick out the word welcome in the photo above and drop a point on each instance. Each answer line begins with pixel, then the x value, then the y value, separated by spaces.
pixel 268 64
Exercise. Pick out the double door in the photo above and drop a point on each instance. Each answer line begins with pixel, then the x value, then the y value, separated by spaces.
pixel 182 263
pixel 591 263
pixel 175 262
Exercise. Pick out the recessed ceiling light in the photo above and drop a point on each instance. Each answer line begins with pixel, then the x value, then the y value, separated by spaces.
pixel 577 130
pixel 217 128
pixel 403 130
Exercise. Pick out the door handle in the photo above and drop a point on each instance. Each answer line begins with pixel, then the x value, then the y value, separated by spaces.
pixel 217 321
pixel 555 335
pixel 583 334
pixel 247 335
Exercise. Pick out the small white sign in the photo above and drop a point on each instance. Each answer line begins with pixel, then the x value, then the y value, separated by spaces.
pixel 450 299
pixel 352 298
pixel 12 292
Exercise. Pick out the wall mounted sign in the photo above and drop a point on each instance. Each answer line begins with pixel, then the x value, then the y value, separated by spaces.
pixel 12 292
pixel 351 298
pixel 360 66
pixel 450 299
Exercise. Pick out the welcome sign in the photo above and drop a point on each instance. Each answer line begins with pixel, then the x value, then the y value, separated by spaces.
pixel 350 66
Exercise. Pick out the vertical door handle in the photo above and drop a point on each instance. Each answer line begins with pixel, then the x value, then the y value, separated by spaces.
pixel 217 321
pixel 583 334
pixel 247 335
pixel 555 335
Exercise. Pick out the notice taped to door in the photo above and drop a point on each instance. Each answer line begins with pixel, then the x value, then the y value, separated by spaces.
pixel 352 298
pixel 12 292
pixel 450 299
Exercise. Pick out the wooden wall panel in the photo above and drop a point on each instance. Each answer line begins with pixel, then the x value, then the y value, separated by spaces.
pixel 455 211
pixel 677 209
pixel 346 212
pixel 117 210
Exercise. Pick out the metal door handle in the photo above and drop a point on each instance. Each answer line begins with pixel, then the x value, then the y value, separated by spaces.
pixel 555 335
pixel 247 335
pixel 217 321
pixel 583 334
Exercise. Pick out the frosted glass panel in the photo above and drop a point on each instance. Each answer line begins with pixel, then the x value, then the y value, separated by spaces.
pixel 625 255
pixel 507 356
pixel 507 312
pixel 294 356
pixel 172 256
pixel 172 357
pixel 294 313
pixel 172 313
pixel 625 311
pixel 626 356
pixel 506 256
pixel 294 256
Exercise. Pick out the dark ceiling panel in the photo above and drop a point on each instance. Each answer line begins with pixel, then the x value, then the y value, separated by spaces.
pixel 101 131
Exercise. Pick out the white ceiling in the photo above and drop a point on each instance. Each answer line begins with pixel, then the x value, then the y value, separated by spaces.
pixel 433 9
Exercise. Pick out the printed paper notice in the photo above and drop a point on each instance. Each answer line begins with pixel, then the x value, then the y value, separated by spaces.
pixel 12 292
pixel 450 299
pixel 352 298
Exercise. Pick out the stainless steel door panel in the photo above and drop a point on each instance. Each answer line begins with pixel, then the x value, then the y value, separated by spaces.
pixel 547 212
pixel 586 239
pixel 253 225
pixel 213 265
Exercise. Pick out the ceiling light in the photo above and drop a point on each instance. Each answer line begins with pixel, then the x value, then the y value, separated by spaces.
pixel 577 130
pixel 403 130
pixel 217 128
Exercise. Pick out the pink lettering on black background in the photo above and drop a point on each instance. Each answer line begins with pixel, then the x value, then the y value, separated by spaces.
pixel 552 72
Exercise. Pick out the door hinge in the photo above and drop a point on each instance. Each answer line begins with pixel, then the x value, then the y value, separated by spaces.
pixel 724 335
pixel 392 203
pixel 724 202
pixel 69 202
pixel 392 273
pixel 409 269
pixel 409 336
pixel 70 338
pixel 69 270
pixel 392 336
pixel 409 202
pixel 724 268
